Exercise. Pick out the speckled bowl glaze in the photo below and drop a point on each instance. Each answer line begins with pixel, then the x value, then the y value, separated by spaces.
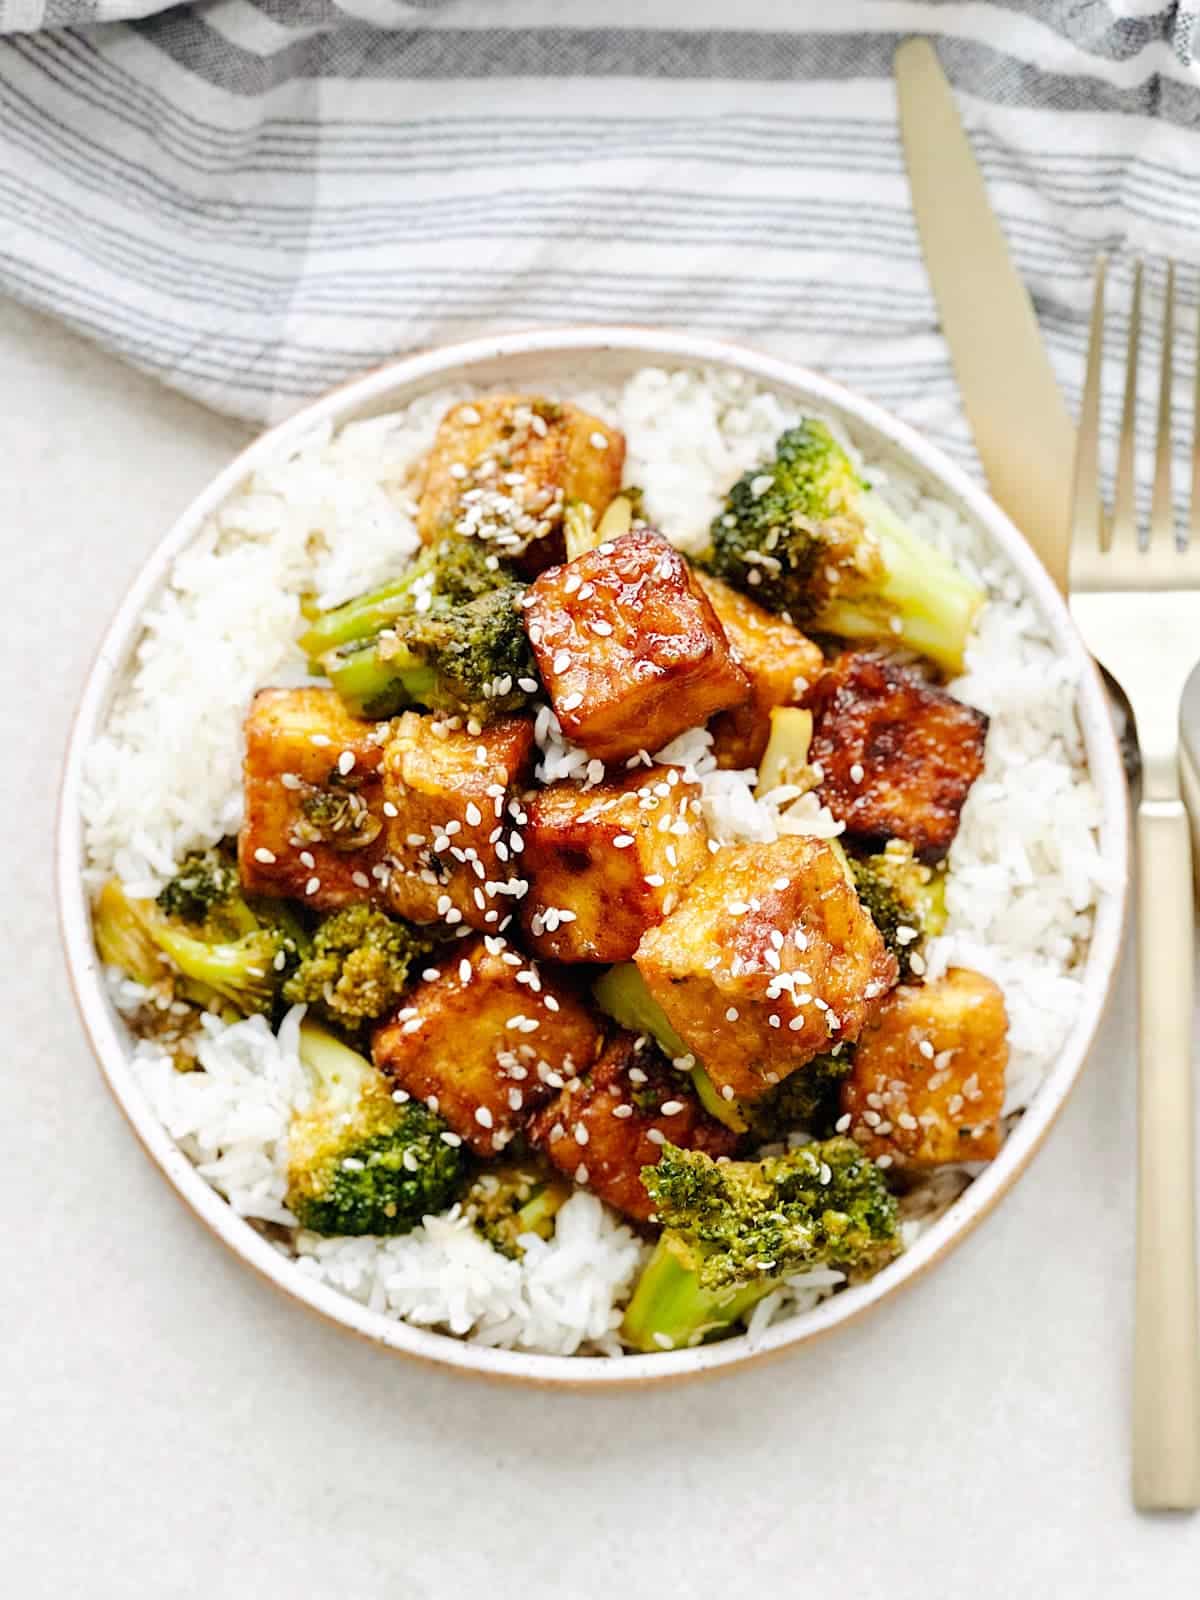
pixel 545 356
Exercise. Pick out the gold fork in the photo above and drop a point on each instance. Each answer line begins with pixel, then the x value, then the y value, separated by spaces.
pixel 1138 609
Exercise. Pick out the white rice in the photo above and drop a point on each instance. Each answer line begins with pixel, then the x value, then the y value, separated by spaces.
pixel 335 516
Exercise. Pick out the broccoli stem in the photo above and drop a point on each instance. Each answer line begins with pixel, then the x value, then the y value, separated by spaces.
pixel 360 618
pixel 930 602
pixel 622 993
pixel 539 1211
pixel 670 1310
pixel 373 684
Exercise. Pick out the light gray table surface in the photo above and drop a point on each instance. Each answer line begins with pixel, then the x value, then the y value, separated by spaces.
pixel 173 1427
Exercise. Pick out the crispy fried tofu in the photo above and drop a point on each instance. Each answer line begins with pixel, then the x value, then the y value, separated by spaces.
pixel 504 467
pixel 487 1041
pixel 607 1125
pixel 447 792
pixel 767 960
pixel 606 863
pixel 312 831
pixel 629 648
pixel 898 756
pixel 927 1085
pixel 781 664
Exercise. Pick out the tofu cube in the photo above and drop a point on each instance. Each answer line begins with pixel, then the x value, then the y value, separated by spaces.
pixel 781 664
pixel 605 1126
pixel 504 467
pixel 314 827
pixel 452 815
pixel 767 960
pixel 606 863
pixel 487 1041
pixel 927 1085
pixel 898 755
pixel 629 647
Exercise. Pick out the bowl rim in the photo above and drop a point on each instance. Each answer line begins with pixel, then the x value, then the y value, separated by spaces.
pixel 404 379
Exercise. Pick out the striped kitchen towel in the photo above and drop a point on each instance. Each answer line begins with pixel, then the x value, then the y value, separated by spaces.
pixel 253 199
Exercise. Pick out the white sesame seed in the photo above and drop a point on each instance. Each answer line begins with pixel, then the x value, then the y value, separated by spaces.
pixel 264 855
pixel 581 1133
pixel 572 701
pixel 319 739
pixel 307 859
pixel 656 1136
pixel 561 662
pixel 598 441
pixel 622 1111
pixel 581 1173
pixel 483 1117
pixel 670 1108
pixel 345 762
pixel 622 841
pixel 451 1139
pixel 926 1049
pixel 842 1123
pixel 856 772
pixel 636 1075
pixel 732 1014
pixel 312 886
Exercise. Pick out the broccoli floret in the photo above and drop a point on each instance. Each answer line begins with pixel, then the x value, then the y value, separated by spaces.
pixel 806 1101
pixel 506 1203
pixel 359 1160
pixel 906 900
pixel 805 535
pixel 205 884
pixel 735 1229
pixel 225 955
pixel 358 966
pixel 447 635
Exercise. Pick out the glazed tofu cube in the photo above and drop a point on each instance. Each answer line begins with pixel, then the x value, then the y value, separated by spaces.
pixel 606 863
pixel 610 1123
pixel 487 1041
pixel 452 814
pixel 504 467
pixel 898 756
pixel 767 960
pixel 629 648
pixel 927 1085
pixel 314 827
pixel 781 664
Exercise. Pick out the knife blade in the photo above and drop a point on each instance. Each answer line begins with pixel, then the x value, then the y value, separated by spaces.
pixel 1022 428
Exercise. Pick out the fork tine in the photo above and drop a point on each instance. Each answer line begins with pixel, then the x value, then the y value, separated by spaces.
pixel 1124 520
pixel 1194 527
pixel 1162 509
pixel 1087 512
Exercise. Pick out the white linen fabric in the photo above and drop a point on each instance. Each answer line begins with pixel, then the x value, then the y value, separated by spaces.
pixel 253 199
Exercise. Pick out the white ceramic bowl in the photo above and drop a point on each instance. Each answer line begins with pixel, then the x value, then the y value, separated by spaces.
pixel 542 357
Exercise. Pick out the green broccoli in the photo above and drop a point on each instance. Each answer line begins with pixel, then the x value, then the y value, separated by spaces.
pixel 358 965
pixel 905 898
pixel 202 938
pixel 361 1161
pixel 621 993
pixel 803 534
pixel 736 1229
pixel 505 1203
pixel 447 635
pixel 806 1100
pixel 205 886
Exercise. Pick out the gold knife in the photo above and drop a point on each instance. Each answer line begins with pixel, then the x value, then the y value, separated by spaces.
pixel 1023 430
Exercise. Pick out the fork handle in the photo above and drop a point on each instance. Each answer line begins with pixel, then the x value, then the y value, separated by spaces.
pixel 1166 1397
